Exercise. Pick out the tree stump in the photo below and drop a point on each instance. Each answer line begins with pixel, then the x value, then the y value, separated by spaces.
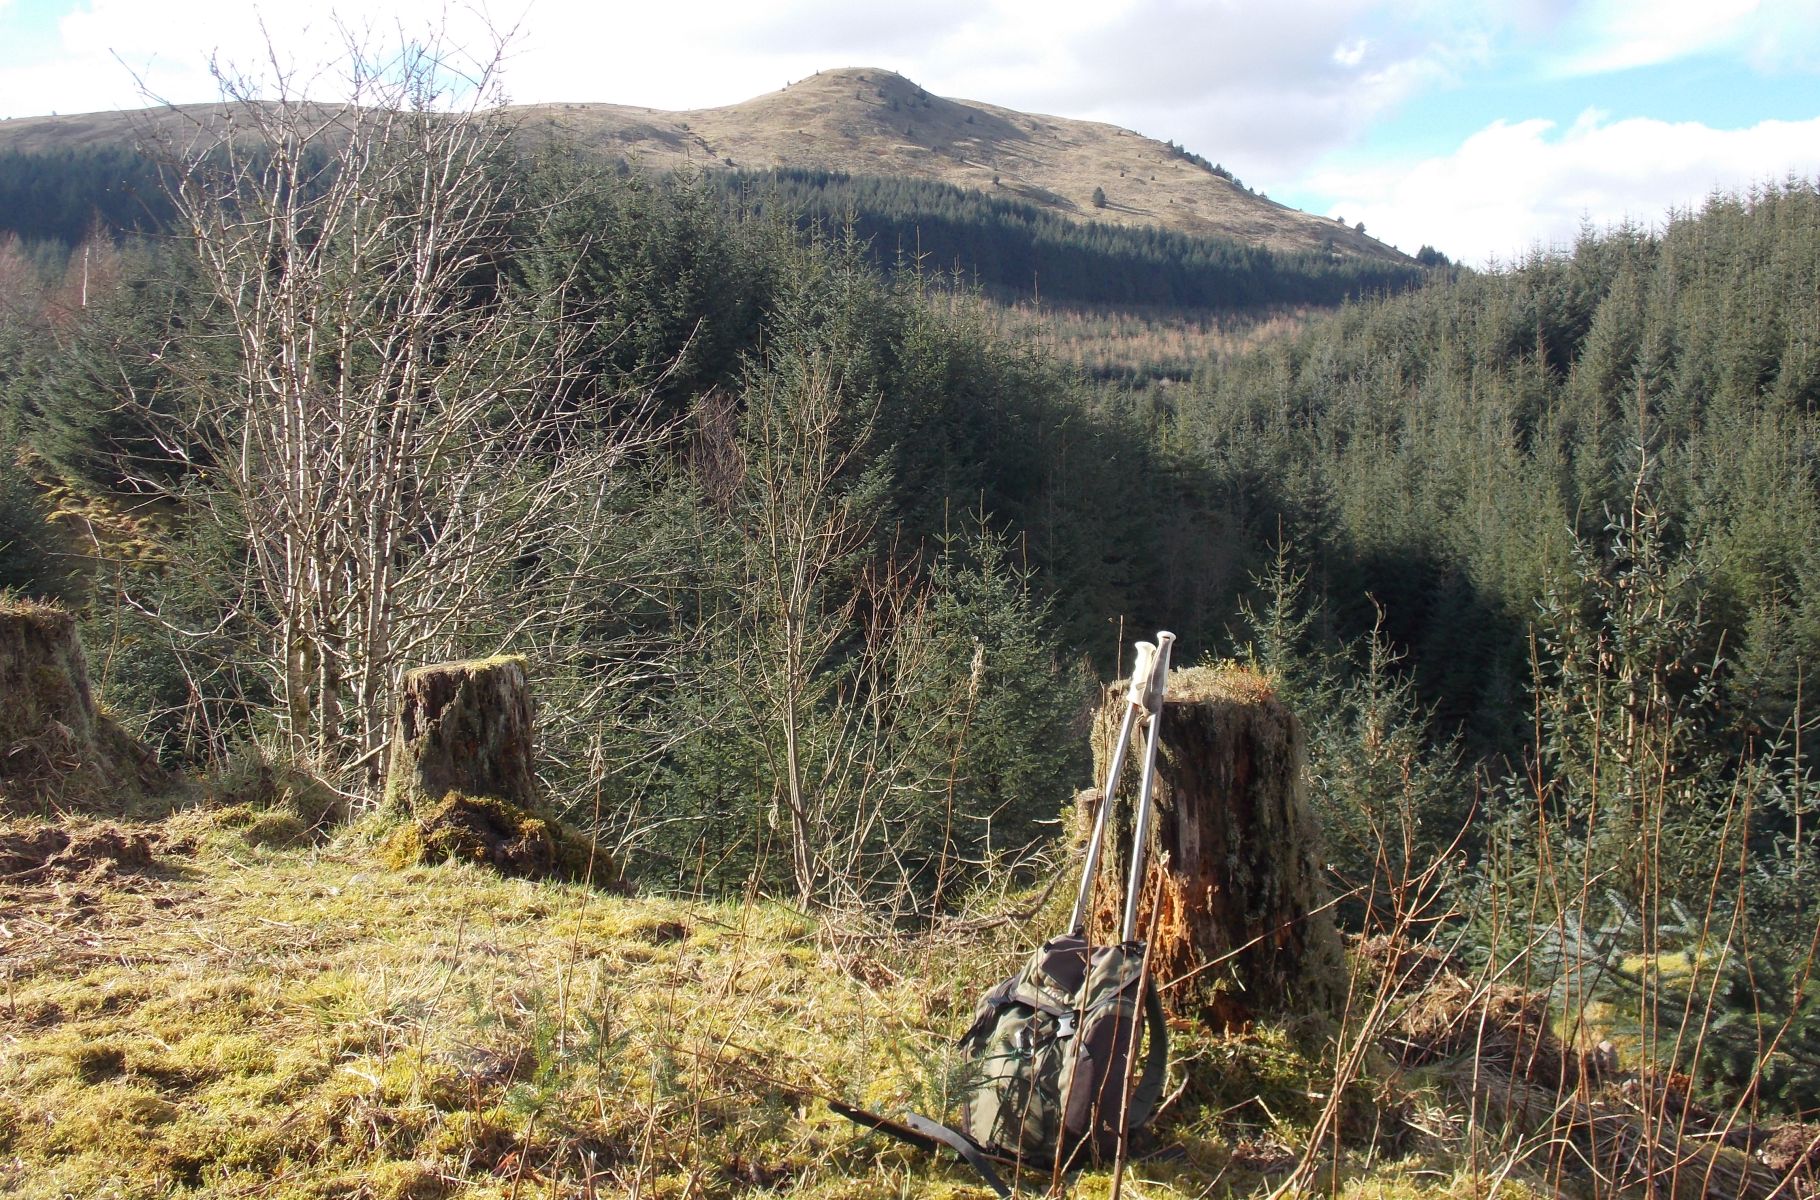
pixel 462 781
pixel 462 727
pixel 58 751
pixel 1232 902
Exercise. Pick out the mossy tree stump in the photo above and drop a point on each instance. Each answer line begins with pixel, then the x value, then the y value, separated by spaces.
pixel 57 749
pixel 464 727
pixel 462 778
pixel 1232 902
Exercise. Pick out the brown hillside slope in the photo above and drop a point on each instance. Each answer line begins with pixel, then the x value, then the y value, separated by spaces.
pixel 866 121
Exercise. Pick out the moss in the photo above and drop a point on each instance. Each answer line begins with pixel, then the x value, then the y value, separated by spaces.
pixel 235 816
pixel 481 1139
pixel 487 831
pixel 490 832
pixel 98 1061
pixel 110 1119
pixel 279 827
pixel 407 1181
pixel 403 847
pixel 1226 681
pixel 254 787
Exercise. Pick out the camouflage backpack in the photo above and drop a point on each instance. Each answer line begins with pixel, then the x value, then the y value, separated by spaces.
pixel 1051 1049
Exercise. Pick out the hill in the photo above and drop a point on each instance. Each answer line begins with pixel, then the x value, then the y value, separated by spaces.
pixel 869 122
pixel 865 121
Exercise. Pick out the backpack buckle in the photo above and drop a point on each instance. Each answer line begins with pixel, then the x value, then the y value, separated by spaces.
pixel 1064 1025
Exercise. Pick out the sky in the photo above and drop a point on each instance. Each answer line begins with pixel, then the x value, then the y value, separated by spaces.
pixel 1487 130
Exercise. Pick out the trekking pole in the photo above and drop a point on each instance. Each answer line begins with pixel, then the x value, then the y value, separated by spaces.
pixel 1153 704
pixel 1141 668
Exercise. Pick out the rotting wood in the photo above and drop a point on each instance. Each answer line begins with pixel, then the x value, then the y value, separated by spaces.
pixel 462 780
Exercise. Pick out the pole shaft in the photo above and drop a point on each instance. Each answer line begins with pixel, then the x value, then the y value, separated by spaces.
pixel 1079 923
pixel 1141 831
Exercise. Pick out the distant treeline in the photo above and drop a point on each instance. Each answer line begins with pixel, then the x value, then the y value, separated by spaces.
pixel 1007 247
pixel 1015 249
pixel 61 197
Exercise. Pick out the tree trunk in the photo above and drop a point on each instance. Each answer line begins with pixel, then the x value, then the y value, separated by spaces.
pixel 1232 903
pixel 462 727
pixel 57 750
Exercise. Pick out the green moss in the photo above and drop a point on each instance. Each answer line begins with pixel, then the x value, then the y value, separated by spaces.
pixel 277 803
pixel 97 1061
pixel 280 827
pixel 407 1181
pixel 495 833
pixel 235 816
pixel 403 847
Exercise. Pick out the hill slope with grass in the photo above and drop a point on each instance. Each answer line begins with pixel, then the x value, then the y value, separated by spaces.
pixel 864 122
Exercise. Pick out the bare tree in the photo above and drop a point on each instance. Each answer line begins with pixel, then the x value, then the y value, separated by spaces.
pixel 385 443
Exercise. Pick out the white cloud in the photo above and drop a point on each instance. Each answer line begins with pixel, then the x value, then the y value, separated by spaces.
pixel 1616 35
pixel 1515 186
pixel 1619 34
pixel 1263 89
pixel 113 54
pixel 1350 54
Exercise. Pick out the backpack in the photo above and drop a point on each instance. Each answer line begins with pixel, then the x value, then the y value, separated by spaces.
pixel 1050 1049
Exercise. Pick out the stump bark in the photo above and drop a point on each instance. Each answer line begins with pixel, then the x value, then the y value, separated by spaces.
pixel 58 751
pixel 464 727
pixel 1232 902
pixel 462 778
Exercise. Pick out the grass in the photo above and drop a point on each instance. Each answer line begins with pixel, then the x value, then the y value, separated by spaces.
pixel 268 1016
pixel 250 1019
pixel 1148 347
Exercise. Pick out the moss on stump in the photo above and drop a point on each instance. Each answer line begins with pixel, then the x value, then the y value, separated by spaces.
pixel 461 780
pixel 1232 900
pixel 58 752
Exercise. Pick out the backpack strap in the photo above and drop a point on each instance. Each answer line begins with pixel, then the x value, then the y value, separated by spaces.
pixel 1149 1090
pixel 961 1145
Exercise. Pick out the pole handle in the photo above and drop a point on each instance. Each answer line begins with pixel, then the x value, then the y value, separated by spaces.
pixel 1143 670
pixel 1158 684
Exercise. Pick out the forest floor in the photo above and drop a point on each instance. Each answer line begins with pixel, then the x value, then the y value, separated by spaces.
pixel 216 1004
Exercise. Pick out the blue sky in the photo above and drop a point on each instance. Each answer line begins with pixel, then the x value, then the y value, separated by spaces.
pixel 1486 130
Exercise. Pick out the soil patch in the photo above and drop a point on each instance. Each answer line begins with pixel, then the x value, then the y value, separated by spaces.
pixel 87 852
